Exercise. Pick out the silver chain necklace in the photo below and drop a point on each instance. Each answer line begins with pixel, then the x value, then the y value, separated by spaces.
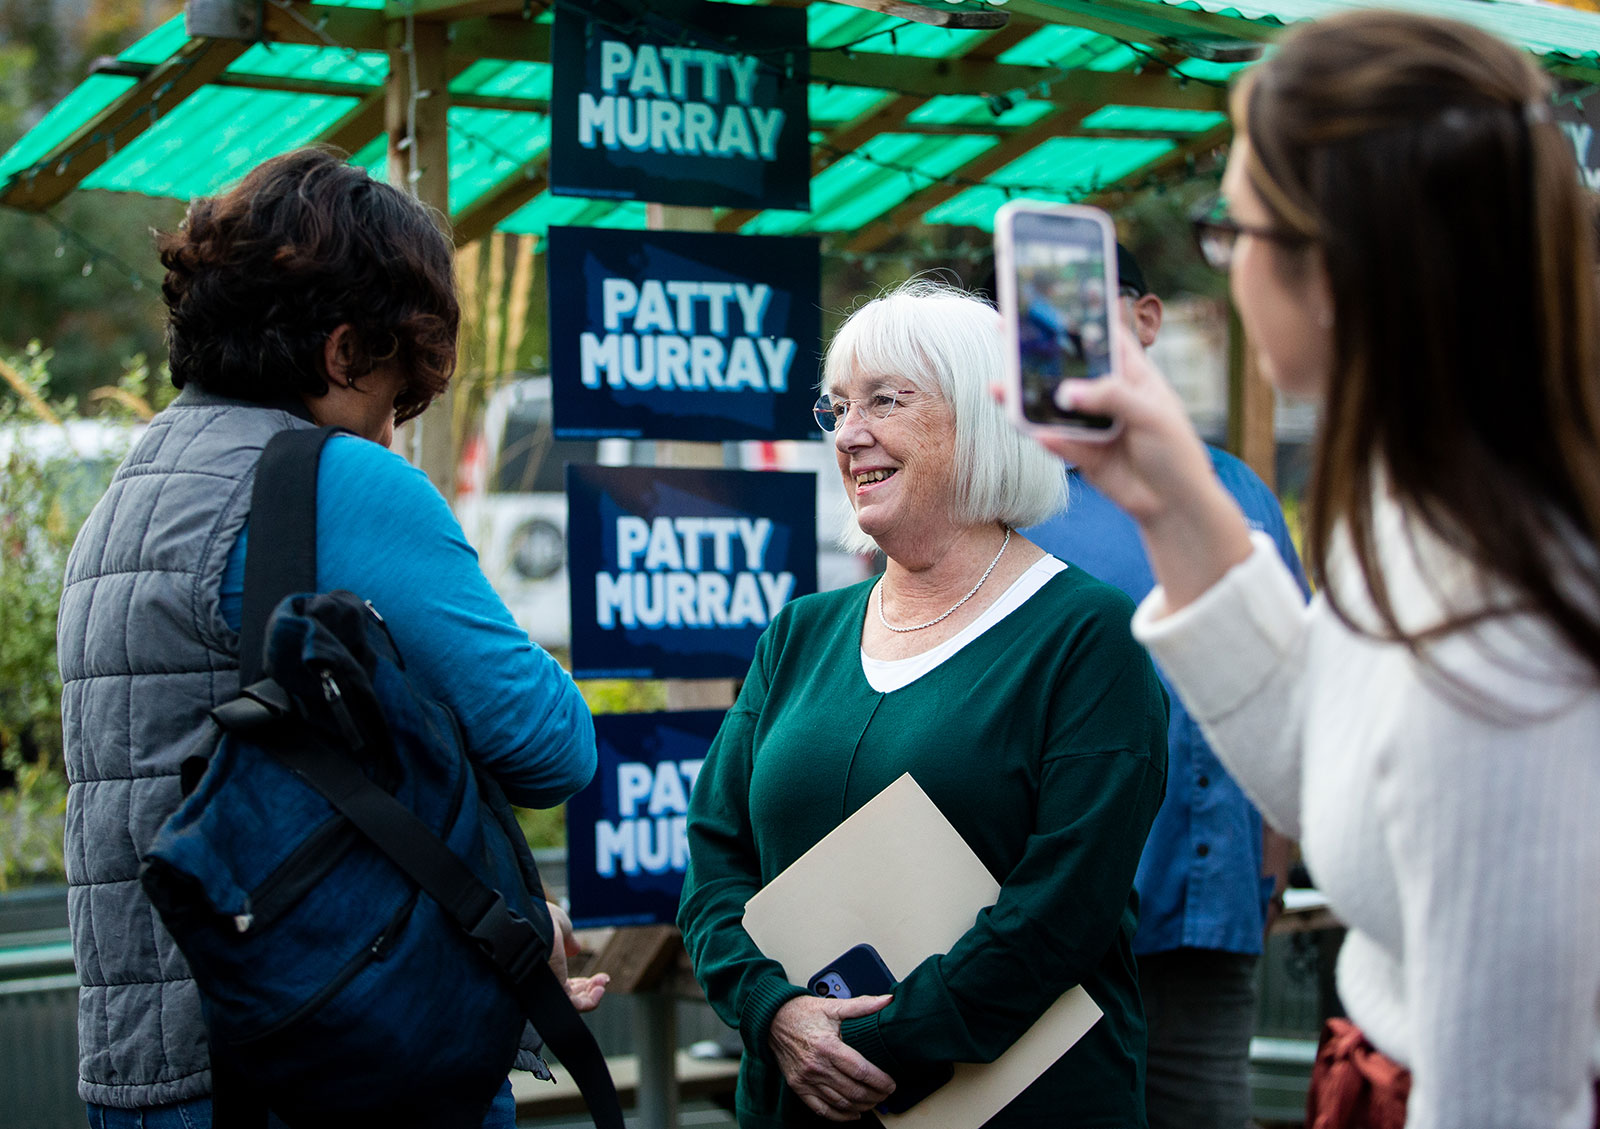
pixel 953 607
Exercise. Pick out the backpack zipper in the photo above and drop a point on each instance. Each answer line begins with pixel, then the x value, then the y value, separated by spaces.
pixel 376 950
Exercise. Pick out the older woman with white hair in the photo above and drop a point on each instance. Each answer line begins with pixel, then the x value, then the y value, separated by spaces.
pixel 1005 682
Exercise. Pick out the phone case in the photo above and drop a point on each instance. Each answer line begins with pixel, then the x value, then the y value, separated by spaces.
pixel 860 971
pixel 1009 301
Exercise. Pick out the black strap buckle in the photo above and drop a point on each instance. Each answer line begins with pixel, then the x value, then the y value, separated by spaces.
pixel 509 940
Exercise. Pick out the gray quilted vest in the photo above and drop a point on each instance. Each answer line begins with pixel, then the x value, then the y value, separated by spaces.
pixel 145 655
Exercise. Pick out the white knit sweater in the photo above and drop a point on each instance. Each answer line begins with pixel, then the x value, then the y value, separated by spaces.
pixel 1461 847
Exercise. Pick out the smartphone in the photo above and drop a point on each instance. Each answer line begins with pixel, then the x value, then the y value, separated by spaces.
pixel 860 971
pixel 1056 274
pixel 857 972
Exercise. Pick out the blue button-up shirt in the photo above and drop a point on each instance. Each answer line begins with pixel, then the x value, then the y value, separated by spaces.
pixel 1199 879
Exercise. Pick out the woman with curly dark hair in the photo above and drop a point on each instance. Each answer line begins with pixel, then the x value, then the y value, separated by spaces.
pixel 308 295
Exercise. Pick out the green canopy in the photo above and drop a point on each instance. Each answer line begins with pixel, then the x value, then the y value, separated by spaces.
pixel 912 121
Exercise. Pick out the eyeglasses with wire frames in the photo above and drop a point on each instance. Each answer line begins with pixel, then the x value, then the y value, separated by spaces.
pixel 878 404
pixel 1216 232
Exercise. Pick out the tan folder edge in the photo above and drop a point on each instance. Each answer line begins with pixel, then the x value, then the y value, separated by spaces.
pixel 896 875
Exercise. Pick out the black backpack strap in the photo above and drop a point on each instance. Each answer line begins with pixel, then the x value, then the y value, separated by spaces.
pixel 516 948
pixel 281 558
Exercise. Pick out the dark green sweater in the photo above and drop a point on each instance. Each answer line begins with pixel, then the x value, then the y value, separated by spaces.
pixel 1043 741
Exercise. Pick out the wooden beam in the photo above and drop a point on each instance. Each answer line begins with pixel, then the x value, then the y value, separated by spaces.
pixel 499 37
pixel 447 10
pixel 936 129
pixel 115 127
pixel 481 37
pixel 913 75
pixel 1252 406
pixel 484 214
pixel 890 115
pixel 329 88
pixel 942 13
pixel 1142 21
pixel 1098 22
pixel 909 210
pixel 1213 138
pixel 352 132
pixel 294 21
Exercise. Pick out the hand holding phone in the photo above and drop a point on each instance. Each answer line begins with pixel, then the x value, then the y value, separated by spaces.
pixel 860 971
pixel 1056 274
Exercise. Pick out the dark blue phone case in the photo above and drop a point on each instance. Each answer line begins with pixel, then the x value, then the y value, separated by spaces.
pixel 863 973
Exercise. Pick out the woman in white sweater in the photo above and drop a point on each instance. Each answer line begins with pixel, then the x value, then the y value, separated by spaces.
pixel 1409 244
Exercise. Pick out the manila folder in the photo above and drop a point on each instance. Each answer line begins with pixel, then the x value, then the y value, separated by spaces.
pixel 897 876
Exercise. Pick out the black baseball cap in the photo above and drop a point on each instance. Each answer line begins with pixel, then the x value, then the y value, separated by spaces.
pixel 1128 272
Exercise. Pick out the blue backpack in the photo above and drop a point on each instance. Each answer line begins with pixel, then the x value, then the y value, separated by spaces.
pixel 354 898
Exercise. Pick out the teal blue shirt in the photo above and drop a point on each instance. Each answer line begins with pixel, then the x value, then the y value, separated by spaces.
pixel 385 533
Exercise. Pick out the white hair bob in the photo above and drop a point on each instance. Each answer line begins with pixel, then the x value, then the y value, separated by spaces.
pixel 942 339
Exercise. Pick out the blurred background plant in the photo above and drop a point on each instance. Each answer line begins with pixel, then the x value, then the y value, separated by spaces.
pixel 55 463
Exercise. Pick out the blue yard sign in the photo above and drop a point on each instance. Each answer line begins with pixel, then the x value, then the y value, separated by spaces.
pixel 681 102
pixel 626 844
pixel 680 335
pixel 676 572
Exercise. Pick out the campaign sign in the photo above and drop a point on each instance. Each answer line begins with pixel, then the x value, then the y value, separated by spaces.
pixel 627 848
pixel 1578 114
pixel 683 335
pixel 676 572
pixel 681 102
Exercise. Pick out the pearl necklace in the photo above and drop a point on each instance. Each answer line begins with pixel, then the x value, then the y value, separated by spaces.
pixel 953 607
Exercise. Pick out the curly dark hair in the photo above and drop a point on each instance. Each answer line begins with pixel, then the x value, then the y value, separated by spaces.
pixel 257 278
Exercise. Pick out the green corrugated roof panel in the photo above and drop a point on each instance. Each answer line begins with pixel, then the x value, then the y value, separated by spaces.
pixel 486 147
pixel 1064 168
pixel 86 100
pixel 237 128
pixel 857 189
pixel 545 211
pixel 497 78
pixel 1154 119
pixel 834 25
pixel 159 45
pixel 1549 29
pixel 968 109
pixel 304 61
pixel 1069 48
pixel 835 105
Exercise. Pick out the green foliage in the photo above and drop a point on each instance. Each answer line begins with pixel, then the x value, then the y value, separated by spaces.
pixel 46 492
pixel 1155 226
pixel 81 303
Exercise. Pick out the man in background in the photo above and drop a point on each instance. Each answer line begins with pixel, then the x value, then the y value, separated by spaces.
pixel 1211 875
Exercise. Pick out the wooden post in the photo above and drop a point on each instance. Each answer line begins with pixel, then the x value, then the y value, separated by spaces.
pixel 416 115
pixel 1251 403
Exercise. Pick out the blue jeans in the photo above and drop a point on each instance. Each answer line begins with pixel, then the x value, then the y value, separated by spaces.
pixel 196 1114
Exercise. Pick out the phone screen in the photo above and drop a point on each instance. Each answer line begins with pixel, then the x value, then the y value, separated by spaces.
pixel 1065 296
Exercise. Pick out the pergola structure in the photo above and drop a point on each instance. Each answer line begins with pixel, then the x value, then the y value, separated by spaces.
pixel 922 111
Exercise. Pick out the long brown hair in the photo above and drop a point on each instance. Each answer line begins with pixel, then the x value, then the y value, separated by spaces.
pixel 1419 157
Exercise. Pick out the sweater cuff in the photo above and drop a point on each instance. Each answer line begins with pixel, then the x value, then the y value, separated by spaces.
pixel 1254 615
pixel 864 1034
pixel 769 994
